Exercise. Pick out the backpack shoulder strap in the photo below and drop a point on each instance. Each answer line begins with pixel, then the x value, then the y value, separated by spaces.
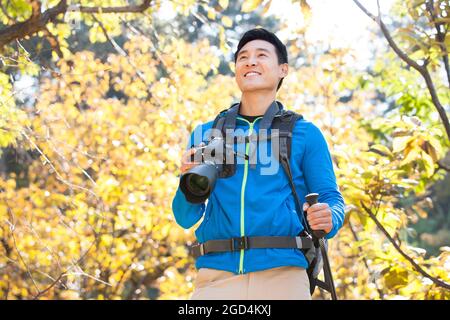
pixel 285 123
pixel 219 123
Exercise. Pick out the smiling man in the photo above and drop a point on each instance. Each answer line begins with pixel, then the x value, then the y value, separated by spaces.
pixel 250 243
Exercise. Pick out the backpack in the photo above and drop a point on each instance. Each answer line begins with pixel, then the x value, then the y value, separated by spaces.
pixel 284 121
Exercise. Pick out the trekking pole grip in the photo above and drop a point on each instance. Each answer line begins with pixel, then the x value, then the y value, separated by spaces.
pixel 311 198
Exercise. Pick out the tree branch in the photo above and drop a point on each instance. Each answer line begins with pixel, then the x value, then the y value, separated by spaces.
pixel 436 281
pixel 49 287
pixel 35 8
pixel 5 12
pixel 355 236
pixel 123 53
pixel 12 228
pixel 110 40
pixel 124 9
pixel 54 43
pixel 443 166
pixel 38 21
pixel 34 24
pixel 64 273
pixel 137 30
pixel 58 175
pixel 421 69
pixel 440 37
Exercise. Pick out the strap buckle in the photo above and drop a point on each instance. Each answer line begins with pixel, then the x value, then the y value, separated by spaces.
pixel 200 247
pixel 239 243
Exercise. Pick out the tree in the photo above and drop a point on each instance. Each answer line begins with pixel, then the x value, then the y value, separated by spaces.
pixel 87 213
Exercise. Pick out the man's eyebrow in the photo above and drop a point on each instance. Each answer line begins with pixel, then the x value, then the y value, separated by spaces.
pixel 257 49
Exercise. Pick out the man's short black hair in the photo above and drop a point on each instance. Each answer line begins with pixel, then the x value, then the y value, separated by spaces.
pixel 263 34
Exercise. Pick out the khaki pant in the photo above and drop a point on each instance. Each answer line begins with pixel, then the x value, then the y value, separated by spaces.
pixel 282 283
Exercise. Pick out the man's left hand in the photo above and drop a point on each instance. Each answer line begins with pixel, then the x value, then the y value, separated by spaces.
pixel 319 216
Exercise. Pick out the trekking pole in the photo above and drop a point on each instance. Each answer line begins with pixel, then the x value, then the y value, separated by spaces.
pixel 318 235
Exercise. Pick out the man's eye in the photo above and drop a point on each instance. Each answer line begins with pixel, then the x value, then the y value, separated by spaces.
pixel 262 54
pixel 242 57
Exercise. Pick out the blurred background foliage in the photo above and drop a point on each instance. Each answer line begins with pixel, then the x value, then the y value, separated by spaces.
pixel 97 99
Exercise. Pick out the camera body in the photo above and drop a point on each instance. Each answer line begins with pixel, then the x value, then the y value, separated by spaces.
pixel 217 160
pixel 217 153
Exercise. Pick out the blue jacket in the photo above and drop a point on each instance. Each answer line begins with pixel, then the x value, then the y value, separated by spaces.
pixel 251 204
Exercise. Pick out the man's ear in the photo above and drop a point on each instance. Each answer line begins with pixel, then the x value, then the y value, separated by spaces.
pixel 284 70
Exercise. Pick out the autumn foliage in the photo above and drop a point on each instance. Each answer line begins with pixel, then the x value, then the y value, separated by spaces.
pixel 87 215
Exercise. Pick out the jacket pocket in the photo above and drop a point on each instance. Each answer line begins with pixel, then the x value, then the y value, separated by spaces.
pixel 296 222
pixel 284 221
pixel 200 232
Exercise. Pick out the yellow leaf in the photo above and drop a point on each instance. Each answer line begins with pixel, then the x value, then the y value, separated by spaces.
pixel 428 163
pixel 422 213
pixel 396 278
pixel 223 4
pixel 69 295
pixel 410 156
pixel 399 143
pixel 436 144
pixel 222 39
pixel 250 5
pixel 231 65
pixel 166 230
pixel 266 7
pixel 227 22
pixel 381 149
pixel 211 14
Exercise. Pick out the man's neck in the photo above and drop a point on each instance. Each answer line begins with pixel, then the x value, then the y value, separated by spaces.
pixel 256 103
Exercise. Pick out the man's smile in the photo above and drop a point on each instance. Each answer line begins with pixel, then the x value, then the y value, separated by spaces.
pixel 252 74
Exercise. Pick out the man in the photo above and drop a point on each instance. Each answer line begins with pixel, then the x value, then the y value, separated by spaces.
pixel 253 204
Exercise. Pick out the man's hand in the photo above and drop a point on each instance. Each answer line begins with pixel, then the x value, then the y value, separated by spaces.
pixel 186 163
pixel 319 216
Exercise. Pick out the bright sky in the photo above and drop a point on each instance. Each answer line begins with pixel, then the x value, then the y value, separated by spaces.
pixel 341 19
pixel 337 22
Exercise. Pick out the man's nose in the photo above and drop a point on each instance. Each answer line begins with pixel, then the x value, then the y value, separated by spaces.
pixel 251 61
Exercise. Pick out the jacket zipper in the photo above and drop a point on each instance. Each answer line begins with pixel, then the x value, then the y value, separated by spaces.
pixel 244 182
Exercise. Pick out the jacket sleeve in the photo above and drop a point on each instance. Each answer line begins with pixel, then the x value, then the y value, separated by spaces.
pixel 320 177
pixel 187 214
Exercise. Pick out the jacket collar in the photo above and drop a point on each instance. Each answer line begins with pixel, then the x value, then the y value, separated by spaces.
pixel 274 108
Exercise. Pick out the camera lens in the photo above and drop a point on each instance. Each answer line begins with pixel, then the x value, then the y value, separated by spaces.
pixel 197 184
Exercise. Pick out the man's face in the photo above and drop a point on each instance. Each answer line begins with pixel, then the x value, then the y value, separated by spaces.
pixel 259 56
